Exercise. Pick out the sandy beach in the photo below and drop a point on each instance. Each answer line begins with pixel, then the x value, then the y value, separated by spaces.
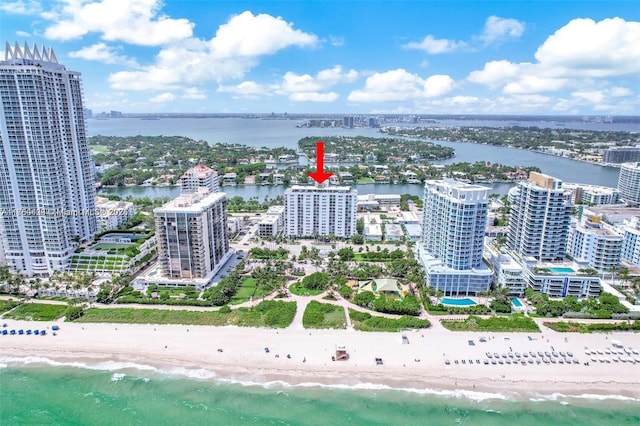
pixel 418 365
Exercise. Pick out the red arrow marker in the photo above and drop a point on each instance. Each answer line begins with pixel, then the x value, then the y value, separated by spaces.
pixel 319 175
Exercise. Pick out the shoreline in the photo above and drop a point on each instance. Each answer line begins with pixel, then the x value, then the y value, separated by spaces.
pixel 191 352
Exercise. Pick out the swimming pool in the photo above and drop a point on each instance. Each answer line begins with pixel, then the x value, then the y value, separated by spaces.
pixel 457 302
pixel 516 302
pixel 561 270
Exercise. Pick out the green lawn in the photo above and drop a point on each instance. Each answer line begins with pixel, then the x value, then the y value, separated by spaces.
pixel 268 313
pixel 6 305
pixel 495 323
pixel 323 315
pixel 299 290
pixel 36 312
pixel 247 289
pixel 365 180
pixel 364 321
pixel 99 149
pixel 109 246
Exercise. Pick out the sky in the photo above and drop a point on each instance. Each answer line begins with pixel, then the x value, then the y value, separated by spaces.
pixel 360 57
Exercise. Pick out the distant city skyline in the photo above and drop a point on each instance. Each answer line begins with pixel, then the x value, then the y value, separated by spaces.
pixel 358 57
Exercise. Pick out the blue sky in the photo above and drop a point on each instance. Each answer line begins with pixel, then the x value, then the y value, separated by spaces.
pixel 433 57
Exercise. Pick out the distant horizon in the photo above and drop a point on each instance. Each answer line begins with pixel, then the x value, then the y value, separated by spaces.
pixel 344 114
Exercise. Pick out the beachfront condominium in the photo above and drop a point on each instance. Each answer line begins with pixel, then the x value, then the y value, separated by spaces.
pixel 454 222
pixel 197 177
pixel 631 242
pixel 47 193
pixel 596 242
pixel 192 235
pixel 320 210
pixel 539 218
pixel 629 183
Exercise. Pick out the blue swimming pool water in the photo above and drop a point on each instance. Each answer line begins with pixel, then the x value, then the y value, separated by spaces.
pixel 457 302
pixel 516 302
pixel 561 269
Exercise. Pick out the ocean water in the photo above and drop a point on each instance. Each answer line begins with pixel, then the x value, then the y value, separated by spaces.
pixel 41 394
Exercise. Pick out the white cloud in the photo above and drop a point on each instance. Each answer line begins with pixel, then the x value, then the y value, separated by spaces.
pixel 23 34
pixel 194 61
pixel 620 92
pixel 336 41
pixel 163 97
pixel 595 49
pixel 314 97
pixel 497 29
pixel 246 88
pixel 193 93
pixel 297 87
pixel 594 96
pixel 400 85
pixel 20 7
pixel 526 84
pixel 102 53
pixel 434 46
pixel 495 73
pixel 438 85
pixel 133 21
pixel 248 35
pixel 580 56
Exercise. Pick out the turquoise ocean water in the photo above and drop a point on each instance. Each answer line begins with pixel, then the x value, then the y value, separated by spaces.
pixel 38 394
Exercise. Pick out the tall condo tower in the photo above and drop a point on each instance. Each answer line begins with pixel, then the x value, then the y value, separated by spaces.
pixel 197 177
pixel 629 183
pixel 454 222
pixel 539 218
pixel 193 240
pixel 47 193
pixel 320 210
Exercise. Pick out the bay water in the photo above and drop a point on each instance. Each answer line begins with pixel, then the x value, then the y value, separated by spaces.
pixel 275 133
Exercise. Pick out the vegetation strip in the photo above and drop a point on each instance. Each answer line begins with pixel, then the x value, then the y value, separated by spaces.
pixel 498 324
pixel 268 313
pixel 364 321
pixel 36 312
pixel 323 315
pixel 581 327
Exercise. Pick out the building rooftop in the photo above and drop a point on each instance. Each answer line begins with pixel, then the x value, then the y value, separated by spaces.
pixel 191 203
pixel 105 203
pixel 413 229
pixel 394 230
pixel 199 171
pixel 320 189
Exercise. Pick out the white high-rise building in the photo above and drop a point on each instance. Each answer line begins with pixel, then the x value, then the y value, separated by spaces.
pixel 47 192
pixel 192 236
pixel 320 210
pixel 539 218
pixel 199 177
pixel 454 222
pixel 631 241
pixel 595 242
pixel 629 183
